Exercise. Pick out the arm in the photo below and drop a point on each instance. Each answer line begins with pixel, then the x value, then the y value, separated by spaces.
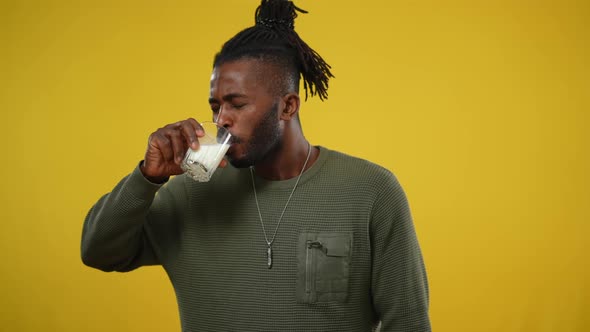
pixel 116 233
pixel 114 236
pixel 399 283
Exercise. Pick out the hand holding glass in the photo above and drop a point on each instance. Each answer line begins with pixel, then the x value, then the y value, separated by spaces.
pixel 201 164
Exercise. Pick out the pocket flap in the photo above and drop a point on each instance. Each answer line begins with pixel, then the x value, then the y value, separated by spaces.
pixel 337 245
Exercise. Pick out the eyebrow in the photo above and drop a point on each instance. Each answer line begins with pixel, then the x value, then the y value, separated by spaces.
pixel 228 97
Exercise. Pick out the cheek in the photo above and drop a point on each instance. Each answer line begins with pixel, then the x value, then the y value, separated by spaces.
pixel 243 128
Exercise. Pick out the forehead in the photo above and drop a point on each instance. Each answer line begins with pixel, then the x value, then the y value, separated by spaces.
pixel 239 76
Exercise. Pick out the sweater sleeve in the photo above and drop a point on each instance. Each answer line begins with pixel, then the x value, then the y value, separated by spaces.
pixel 115 232
pixel 399 282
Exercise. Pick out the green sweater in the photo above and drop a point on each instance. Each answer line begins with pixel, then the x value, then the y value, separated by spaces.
pixel 345 255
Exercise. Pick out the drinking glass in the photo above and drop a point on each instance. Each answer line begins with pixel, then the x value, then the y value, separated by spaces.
pixel 200 164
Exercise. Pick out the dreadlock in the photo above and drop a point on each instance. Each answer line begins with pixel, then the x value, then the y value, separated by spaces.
pixel 273 39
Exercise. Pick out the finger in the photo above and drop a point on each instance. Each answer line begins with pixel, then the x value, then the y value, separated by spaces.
pixel 189 130
pixel 177 142
pixel 199 130
pixel 161 143
pixel 223 163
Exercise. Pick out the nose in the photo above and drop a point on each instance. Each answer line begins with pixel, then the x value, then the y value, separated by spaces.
pixel 223 118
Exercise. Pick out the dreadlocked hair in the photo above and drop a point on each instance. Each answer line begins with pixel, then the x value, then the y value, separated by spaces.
pixel 273 39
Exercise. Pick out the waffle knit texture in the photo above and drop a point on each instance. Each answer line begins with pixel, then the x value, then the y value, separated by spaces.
pixel 345 257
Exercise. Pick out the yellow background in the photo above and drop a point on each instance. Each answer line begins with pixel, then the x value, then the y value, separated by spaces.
pixel 479 107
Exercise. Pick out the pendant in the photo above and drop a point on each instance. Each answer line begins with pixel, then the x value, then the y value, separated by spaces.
pixel 269 256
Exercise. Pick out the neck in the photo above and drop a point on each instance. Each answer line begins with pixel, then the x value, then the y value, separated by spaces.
pixel 288 160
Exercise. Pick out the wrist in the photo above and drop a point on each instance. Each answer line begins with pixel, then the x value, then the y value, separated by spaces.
pixel 152 179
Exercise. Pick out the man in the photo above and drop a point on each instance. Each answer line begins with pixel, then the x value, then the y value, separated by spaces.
pixel 290 236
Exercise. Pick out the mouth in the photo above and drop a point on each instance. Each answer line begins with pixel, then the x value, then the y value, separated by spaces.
pixel 233 142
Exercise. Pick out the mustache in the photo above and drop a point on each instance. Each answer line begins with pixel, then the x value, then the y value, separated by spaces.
pixel 235 140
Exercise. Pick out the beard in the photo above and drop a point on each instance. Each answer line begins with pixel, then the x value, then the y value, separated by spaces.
pixel 266 138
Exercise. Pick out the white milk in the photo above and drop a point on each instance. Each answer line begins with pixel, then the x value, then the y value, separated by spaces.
pixel 201 164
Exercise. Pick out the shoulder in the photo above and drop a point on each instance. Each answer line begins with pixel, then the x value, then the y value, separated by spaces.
pixel 345 165
pixel 364 180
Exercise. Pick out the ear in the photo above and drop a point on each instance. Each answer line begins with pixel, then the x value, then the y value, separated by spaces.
pixel 291 102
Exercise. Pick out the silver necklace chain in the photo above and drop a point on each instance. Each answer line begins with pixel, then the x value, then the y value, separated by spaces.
pixel 270 242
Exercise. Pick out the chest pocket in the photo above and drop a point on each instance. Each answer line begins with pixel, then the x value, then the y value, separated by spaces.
pixel 323 265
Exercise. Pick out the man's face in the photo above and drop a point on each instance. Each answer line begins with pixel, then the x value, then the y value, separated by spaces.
pixel 242 102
